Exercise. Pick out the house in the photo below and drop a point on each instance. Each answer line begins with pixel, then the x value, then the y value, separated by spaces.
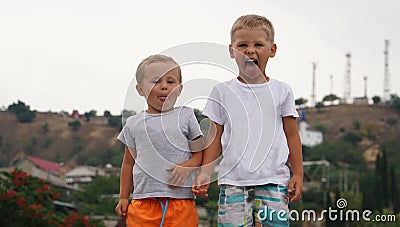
pixel 75 115
pixel 309 137
pixel 49 171
pixel 360 101
pixel 82 175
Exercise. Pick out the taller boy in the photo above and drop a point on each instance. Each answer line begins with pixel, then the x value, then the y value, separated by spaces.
pixel 254 126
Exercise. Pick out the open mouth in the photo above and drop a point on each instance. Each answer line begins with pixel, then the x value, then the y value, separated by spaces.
pixel 252 62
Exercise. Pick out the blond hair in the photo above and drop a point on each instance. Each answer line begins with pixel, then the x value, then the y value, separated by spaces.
pixel 253 21
pixel 140 71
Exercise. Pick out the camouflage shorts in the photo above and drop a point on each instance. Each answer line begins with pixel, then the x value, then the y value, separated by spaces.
pixel 246 205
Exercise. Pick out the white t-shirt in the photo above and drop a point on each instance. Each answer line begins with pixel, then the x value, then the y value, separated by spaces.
pixel 254 146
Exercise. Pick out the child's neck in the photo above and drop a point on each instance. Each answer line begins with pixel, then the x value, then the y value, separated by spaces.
pixel 260 80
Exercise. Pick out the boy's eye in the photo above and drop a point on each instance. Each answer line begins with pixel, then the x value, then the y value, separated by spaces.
pixel 259 45
pixel 155 81
pixel 242 45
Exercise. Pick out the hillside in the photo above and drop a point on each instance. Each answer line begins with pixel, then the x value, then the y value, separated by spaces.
pixel 58 142
pixel 96 140
pixel 376 121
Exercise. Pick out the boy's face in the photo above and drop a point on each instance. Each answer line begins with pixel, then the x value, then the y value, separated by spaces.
pixel 160 86
pixel 251 50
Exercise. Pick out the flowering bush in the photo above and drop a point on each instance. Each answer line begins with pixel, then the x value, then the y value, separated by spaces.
pixel 28 201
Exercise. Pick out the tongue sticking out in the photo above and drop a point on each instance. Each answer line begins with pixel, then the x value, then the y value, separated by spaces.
pixel 251 69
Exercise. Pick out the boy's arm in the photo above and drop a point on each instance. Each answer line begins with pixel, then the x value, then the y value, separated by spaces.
pixel 181 171
pixel 126 183
pixel 295 158
pixel 211 153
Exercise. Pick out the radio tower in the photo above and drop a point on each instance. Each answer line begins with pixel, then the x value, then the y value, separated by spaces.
pixel 347 84
pixel 314 67
pixel 365 86
pixel 386 85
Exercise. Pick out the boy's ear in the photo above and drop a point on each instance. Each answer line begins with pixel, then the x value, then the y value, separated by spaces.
pixel 139 90
pixel 231 51
pixel 273 51
pixel 180 89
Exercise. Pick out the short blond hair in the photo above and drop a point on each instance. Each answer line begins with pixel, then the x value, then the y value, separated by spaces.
pixel 140 71
pixel 253 21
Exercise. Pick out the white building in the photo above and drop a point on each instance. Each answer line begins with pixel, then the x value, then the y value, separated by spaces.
pixel 309 137
pixel 82 175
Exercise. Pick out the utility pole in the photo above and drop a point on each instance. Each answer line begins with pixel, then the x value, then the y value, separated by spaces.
pixel 314 67
pixel 347 80
pixel 386 82
pixel 365 86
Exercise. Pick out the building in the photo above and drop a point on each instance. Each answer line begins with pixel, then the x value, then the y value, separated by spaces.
pixel 309 137
pixel 82 175
pixel 49 171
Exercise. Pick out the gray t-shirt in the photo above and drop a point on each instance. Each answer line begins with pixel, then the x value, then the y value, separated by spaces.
pixel 160 140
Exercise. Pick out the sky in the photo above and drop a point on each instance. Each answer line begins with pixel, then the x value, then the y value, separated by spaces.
pixel 65 55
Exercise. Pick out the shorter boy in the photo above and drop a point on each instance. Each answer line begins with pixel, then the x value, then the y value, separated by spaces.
pixel 163 146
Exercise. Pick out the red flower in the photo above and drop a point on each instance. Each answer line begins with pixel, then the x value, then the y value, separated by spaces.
pixel 21 202
pixel 55 195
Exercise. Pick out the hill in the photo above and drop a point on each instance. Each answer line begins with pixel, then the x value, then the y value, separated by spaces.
pixel 50 137
pixel 376 122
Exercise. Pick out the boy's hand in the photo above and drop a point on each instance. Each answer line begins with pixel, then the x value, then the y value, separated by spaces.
pixel 200 185
pixel 178 175
pixel 122 207
pixel 295 188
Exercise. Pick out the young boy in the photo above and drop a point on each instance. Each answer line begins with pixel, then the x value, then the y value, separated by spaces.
pixel 163 146
pixel 254 126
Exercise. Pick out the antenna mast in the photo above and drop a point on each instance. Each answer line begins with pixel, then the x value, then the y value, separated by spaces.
pixel 347 80
pixel 386 83
pixel 313 102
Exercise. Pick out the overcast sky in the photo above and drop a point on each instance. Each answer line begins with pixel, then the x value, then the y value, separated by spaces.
pixel 65 55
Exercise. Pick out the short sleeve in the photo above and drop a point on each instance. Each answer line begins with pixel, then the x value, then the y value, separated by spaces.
pixel 126 136
pixel 194 130
pixel 288 104
pixel 213 109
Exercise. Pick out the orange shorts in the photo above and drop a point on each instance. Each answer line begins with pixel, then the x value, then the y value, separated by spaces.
pixel 148 213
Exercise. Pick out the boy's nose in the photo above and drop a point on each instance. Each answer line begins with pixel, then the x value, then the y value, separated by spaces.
pixel 250 50
pixel 163 86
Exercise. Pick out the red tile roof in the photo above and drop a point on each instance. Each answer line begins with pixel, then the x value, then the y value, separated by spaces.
pixel 46 165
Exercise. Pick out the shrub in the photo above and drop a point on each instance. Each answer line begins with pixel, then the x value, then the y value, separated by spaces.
pixel 28 201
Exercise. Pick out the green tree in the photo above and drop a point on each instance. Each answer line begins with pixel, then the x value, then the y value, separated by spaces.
pixel 22 111
pixel 319 106
pixel 393 193
pixel 107 113
pixel 75 124
pixel 95 198
pixel 352 138
pixel 395 101
pixel 300 102
pixel 330 98
pixel 376 99
pixel 89 115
